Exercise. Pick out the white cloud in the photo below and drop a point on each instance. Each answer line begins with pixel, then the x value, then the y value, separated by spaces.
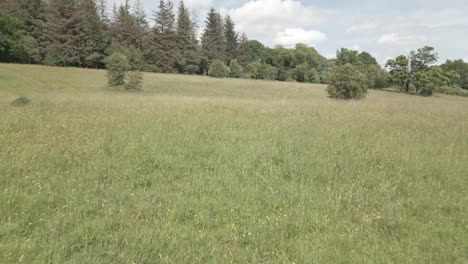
pixel 198 3
pixel 291 36
pixel 399 39
pixel 362 27
pixel 263 19
pixel 356 47
pixel 466 59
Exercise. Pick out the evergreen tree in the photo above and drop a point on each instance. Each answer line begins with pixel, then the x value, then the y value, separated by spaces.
pixel 102 11
pixel 92 29
pixel 213 37
pixel 125 30
pixel 231 39
pixel 165 18
pixel 62 31
pixel 187 42
pixel 140 16
pixel 163 51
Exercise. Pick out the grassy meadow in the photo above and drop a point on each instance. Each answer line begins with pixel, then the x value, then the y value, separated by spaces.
pixel 202 170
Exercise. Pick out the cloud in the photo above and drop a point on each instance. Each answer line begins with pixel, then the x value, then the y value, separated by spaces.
pixel 263 19
pixel 362 27
pixel 356 47
pixel 198 3
pixel 466 59
pixel 291 36
pixel 399 39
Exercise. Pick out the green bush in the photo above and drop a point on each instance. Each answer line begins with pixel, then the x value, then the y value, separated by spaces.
pixel 134 81
pixel 313 76
pixel 218 69
pixel 235 69
pixel 20 101
pixel 270 72
pixel 283 75
pixel 347 83
pixel 304 73
pixel 117 67
pixel 300 73
pixel 451 90
pixel 256 70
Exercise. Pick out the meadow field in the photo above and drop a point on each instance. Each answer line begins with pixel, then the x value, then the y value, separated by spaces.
pixel 200 170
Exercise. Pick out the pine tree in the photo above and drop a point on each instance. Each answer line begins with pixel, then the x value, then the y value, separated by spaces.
pixel 213 38
pixel 63 37
pixel 140 16
pixel 165 18
pixel 187 42
pixel 231 39
pixel 102 11
pixel 93 38
pixel 163 51
pixel 125 30
pixel 243 52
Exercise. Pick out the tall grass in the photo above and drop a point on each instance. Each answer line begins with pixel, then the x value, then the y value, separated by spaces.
pixel 200 170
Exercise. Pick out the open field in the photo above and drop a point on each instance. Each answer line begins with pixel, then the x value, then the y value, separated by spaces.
pixel 200 170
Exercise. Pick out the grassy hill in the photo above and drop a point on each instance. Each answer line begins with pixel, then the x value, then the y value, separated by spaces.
pixel 201 170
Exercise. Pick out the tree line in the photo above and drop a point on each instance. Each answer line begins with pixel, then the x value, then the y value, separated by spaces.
pixel 82 33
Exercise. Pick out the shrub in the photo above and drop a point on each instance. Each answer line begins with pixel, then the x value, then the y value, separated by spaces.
pixel 270 72
pixel 218 69
pixel 20 101
pixel 300 73
pixel 313 76
pixel 235 69
pixel 451 90
pixel 325 77
pixel 283 75
pixel 347 83
pixel 117 66
pixel 256 70
pixel 134 81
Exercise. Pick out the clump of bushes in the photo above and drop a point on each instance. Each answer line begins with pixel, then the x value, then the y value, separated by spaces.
pixel 283 75
pixel 117 67
pixel 134 81
pixel 347 83
pixel 20 101
pixel 235 70
pixel 118 74
pixel 452 90
pixel 305 74
pixel 218 69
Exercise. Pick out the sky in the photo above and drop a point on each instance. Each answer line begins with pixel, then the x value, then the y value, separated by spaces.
pixel 385 29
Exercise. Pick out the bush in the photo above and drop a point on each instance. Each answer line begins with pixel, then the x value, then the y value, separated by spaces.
pixel 283 75
pixel 304 73
pixel 300 73
pixel 117 66
pixel 347 83
pixel 445 89
pixel 256 70
pixel 325 77
pixel 20 101
pixel 270 72
pixel 235 69
pixel 218 69
pixel 313 76
pixel 134 81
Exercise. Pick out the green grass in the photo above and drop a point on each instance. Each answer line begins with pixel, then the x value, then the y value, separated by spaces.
pixel 201 170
